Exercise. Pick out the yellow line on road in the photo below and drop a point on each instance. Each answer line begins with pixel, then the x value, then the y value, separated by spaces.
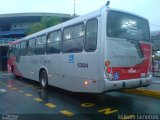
pixel 29 95
pixel 87 105
pixel 150 93
pixel 38 99
pixel 67 113
pixel 50 105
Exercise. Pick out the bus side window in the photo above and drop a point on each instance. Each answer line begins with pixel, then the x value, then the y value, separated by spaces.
pixel 73 39
pixel 23 48
pixel 31 46
pixel 40 45
pixel 17 51
pixel 11 51
pixel 54 42
pixel 91 35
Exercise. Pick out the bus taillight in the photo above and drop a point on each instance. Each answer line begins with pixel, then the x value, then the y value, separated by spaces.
pixel 108 70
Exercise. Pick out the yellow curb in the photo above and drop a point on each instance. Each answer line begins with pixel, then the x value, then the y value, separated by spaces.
pixel 150 93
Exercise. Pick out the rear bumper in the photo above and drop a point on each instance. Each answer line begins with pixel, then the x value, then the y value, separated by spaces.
pixel 122 84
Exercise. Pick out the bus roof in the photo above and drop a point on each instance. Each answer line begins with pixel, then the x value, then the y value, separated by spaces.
pixel 67 23
pixel 75 21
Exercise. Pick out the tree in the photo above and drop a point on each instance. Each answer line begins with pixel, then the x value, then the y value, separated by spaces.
pixel 50 21
pixel 35 28
pixel 45 22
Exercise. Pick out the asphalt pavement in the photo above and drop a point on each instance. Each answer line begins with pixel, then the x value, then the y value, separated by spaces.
pixel 23 99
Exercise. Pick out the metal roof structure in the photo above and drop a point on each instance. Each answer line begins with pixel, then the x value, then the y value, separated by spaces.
pixel 29 17
pixel 7 33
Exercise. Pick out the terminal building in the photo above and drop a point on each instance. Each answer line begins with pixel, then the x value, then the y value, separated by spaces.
pixel 155 38
pixel 15 26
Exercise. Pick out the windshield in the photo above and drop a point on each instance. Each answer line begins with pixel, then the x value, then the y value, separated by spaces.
pixel 126 26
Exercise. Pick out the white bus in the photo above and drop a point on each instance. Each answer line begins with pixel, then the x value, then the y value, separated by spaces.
pixel 104 50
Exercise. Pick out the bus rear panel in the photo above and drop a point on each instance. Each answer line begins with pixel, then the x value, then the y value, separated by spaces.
pixel 128 51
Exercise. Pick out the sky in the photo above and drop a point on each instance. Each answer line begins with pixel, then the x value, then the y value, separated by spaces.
pixel 149 9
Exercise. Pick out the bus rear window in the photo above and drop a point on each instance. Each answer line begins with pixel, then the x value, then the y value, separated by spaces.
pixel 126 26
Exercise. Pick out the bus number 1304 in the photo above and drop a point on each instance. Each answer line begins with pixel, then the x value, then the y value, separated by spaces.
pixel 82 65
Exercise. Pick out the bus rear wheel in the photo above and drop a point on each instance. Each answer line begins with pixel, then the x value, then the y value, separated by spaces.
pixel 43 79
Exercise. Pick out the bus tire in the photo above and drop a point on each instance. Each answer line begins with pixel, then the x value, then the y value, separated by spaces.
pixel 43 79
